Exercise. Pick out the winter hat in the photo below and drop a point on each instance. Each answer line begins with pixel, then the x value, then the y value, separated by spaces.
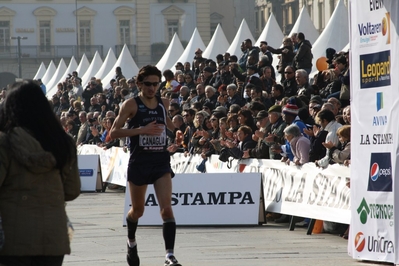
pixel 291 108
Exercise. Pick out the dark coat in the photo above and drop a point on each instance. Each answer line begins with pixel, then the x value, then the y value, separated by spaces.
pixel 304 56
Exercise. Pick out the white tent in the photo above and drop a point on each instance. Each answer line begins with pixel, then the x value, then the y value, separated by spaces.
pixel 83 66
pixel 107 65
pixel 242 34
pixel 189 53
pixel 304 24
pixel 93 68
pixel 175 50
pixel 71 67
pixel 52 84
pixel 40 72
pixel 272 33
pixel 329 38
pixel 218 44
pixel 126 63
pixel 346 48
pixel 49 73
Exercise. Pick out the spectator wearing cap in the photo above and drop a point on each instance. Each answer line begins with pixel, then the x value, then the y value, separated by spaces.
pixel 222 75
pixel 302 81
pixel 287 55
pixel 290 116
pixel 289 84
pixel 276 136
pixel 206 76
pixel 208 107
pixel 198 59
pixel 261 151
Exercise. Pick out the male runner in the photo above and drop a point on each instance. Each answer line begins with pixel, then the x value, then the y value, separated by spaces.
pixel 149 161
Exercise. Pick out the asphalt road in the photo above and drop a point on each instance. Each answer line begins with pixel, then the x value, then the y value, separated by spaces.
pixel 100 239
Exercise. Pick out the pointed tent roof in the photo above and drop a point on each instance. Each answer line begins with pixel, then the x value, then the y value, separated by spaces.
pixel 52 84
pixel 71 67
pixel 127 64
pixel 328 38
pixel 346 48
pixel 242 34
pixel 175 50
pixel 83 66
pixel 107 65
pixel 188 54
pixel 40 71
pixel 93 68
pixel 304 24
pixel 49 73
pixel 218 44
pixel 272 33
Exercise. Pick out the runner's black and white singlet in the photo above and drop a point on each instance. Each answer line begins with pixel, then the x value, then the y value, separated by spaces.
pixel 154 146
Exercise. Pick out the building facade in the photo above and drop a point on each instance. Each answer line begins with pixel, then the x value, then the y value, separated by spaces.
pixel 287 11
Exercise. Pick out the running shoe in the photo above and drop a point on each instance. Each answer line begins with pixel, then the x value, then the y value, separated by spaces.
pixel 132 257
pixel 172 261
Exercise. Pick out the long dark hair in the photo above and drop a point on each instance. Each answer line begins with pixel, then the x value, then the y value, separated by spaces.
pixel 26 106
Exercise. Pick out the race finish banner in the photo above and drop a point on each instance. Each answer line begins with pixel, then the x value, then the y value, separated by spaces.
pixel 374 138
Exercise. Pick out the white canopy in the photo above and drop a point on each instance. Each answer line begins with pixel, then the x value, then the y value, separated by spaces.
pixel 329 38
pixel 242 34
pixel 49 73
pixel 272 33
pixel 40 72
pixel 189 53
pixel 218 44
pixel 107 65
pixel 52 84
pixel 83 65
pixel 304 24
pixel 71 67
pixel 175 50
pixel 93 68
pixel 126 63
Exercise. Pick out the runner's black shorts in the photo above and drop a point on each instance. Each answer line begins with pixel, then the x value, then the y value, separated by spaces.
pixel 142 172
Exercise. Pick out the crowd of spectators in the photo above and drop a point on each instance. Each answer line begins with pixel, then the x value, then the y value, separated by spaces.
pixel 237 106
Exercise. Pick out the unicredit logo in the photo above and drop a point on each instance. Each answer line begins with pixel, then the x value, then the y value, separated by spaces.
pixel 360 242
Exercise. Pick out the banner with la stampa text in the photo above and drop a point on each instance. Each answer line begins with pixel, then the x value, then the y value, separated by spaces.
pixel 374 137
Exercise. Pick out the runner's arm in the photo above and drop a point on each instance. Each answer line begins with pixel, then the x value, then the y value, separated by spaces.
pixel 128 110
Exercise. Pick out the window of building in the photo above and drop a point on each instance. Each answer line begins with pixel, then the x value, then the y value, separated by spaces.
pixel 124 31
pixel 84 33
pixel 332 6
pixel 44 24
pixel 45 35
pixel 5 33
pixel 125 18
pixel 172 16
pixel 257 21
pixel 173 27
